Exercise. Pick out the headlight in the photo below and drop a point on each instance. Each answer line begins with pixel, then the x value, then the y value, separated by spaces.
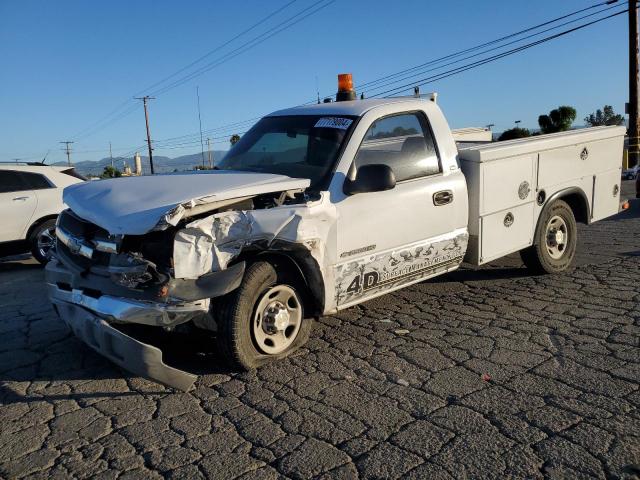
pixel 131 280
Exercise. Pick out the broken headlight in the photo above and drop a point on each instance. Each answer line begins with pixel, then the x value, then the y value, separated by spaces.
pixel 131 279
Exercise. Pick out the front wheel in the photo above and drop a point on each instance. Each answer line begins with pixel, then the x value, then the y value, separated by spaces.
pixel 554 247
pixel 42 239
pixel 262 320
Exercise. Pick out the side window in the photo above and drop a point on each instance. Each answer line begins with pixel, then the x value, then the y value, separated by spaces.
pixel 35 181
pixel 404 142
pixel 11 181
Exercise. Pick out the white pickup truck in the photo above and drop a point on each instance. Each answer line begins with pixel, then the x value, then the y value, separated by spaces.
pixel 316 209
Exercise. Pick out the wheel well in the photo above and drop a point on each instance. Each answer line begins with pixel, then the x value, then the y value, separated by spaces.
pixel 38 222
pixel 306 273
pixel 577 201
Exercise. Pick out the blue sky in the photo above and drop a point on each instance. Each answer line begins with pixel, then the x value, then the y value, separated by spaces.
pixel 67 64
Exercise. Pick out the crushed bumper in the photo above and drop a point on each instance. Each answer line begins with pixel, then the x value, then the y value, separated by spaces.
pixel 137 357
pixel 126 310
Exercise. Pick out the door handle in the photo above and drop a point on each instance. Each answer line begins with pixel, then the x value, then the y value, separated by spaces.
pixel 443 197
pixel 22 199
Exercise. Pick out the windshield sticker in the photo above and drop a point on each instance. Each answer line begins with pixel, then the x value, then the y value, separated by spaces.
pixel 333 122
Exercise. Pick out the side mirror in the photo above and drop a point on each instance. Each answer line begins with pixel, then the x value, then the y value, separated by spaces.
pixel 371 178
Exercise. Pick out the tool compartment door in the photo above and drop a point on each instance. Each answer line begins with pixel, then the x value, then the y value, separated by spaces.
pixel 606 194
pixel 506 232
pixel 507 183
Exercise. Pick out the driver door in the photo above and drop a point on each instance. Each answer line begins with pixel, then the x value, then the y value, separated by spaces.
pixel 392 238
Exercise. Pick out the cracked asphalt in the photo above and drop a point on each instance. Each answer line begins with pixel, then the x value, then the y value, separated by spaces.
pixel 488 372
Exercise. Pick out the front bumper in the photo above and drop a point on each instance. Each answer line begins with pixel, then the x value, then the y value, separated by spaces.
pixel 137 357
pixel 126 310
pixel 90 305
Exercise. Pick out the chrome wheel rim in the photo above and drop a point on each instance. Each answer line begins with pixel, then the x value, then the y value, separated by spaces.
pixel 557 237
pixel 277 319
pixel 45 240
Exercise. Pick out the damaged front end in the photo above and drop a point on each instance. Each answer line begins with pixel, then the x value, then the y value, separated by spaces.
pixel 99 281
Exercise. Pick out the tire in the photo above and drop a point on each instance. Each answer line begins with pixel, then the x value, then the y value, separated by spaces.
pixel 553 252
pixel 243 321
pixel 41 239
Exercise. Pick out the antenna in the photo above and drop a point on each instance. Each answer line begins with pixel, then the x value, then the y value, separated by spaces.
pixel 317 89
pixel 45 157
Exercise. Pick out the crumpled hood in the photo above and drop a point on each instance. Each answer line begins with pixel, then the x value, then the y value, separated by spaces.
pixel 135 205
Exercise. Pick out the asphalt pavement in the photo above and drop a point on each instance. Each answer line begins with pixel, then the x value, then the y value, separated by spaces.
pixel 483 373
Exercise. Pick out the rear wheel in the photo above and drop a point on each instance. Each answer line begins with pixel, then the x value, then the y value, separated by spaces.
pixel 555 244
pixel 263 319
pixel 42 239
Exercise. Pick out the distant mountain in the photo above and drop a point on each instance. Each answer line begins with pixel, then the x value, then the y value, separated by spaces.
pixel 160 164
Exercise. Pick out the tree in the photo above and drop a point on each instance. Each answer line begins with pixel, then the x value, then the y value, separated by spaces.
pixel 110 172
pixel 559 119
pixel 603 117
pixel 514 133
pixel 235 138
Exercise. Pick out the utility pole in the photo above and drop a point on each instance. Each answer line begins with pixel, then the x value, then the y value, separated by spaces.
pixel 634 130
pixel 110 155
pixel 146 119
pixel 200 122
pixel 68 150
pixel 209 152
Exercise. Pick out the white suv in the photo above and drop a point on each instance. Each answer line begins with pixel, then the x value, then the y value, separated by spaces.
pixel 30 201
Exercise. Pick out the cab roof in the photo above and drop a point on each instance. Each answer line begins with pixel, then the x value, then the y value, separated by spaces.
pixel 355 108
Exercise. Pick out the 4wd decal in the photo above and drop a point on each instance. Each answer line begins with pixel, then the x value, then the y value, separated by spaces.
pixel 371 274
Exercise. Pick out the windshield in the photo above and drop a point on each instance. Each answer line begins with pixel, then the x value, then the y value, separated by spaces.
pixel 301 146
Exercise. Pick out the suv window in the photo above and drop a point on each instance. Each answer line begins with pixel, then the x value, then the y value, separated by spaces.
pixel 11 181
pixel 404 142
pixel 35 181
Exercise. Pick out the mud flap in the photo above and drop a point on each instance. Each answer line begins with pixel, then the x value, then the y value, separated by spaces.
pixel 137 357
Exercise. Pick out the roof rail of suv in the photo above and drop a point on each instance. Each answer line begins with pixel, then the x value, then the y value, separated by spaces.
pixel 33 164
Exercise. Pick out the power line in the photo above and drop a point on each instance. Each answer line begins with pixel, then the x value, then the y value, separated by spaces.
pixel 107 120
pixel 220 47
pixel 493 58
pixel 178 140
pixel 248 45
pixel 453 55
pixel 421 71
pixel 478 63
pixel 489 43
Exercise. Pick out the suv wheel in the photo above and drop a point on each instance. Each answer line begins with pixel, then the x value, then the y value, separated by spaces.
pixel 41 240
pixel 262 320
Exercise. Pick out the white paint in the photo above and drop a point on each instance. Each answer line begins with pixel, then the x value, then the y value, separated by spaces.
pixel 21 208
pixel 495 172
pixel 135 205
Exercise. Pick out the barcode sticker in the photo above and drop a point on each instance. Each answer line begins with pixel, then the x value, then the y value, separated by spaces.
pixel 334 122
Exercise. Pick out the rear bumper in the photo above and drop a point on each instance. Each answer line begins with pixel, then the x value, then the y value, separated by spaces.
pixel 137 357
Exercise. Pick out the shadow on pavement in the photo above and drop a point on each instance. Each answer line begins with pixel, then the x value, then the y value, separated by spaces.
pixel 69 361
pixel 16 264
pixel 467 274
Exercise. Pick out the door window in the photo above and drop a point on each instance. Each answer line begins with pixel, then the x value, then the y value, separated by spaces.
pixel 35 181
pixel 404 143
pixel 11 181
